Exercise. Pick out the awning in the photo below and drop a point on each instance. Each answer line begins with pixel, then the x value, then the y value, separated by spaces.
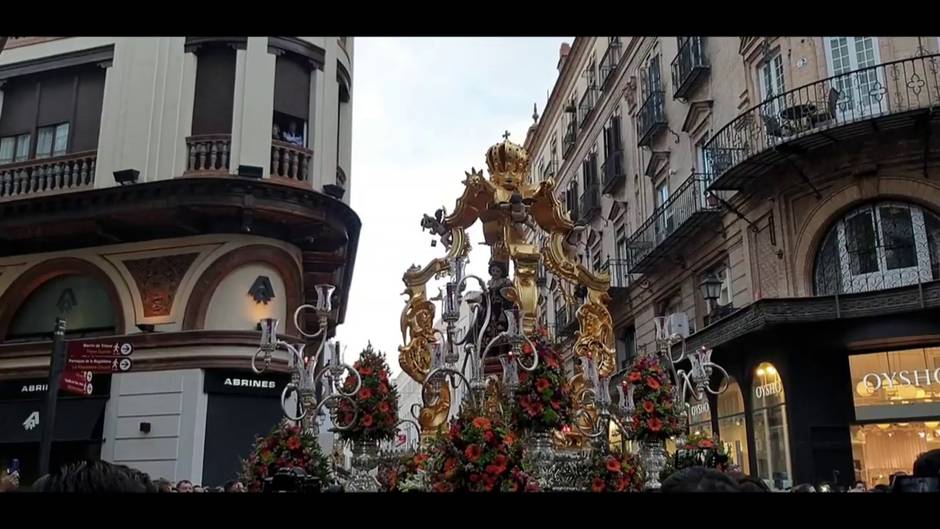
pixel 79 419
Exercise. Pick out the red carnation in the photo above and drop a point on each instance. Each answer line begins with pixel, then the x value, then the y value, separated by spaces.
pixel 365 393
pixel 293 443
pixel 648 406
pixel 489 436
pixel 654 424
pixel 635 376
pixel 556 405
pixel 509 440
pixel 474 478
pixel 652 383
pixel 706 443
pixel 542 384
pixel 526 348
pixel 367 420
pixel 598 485
pixel 482 423
pixel 473 453
pixel 613 465
pixel 620 484
pixel 420 459
pixel 523 376
pixel 551 361
pixel 383 388
pixel 384 407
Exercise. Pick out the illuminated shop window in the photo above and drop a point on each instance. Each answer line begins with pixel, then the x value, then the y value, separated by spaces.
pixel 771 435
pixel 732 425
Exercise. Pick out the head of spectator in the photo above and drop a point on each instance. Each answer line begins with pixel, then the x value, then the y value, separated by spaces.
pixel 184 486
pixel 699 479
pixel 95 477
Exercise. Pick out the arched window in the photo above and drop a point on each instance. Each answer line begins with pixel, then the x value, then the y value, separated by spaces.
pixel 732 425
pixel 771 431
pixel 878 246
pixel 700 417
pixel 81 300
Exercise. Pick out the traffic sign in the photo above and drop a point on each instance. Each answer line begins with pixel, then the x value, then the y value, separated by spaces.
pixel 92 348
pixel 100 357
pixel 99 364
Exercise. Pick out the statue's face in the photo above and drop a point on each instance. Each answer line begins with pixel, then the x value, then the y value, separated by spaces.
pixel 496 272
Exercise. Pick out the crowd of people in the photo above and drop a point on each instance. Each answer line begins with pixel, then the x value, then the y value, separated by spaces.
pixel 101 476
pixel 925 478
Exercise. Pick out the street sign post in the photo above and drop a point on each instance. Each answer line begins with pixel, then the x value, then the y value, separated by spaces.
pixel 47 423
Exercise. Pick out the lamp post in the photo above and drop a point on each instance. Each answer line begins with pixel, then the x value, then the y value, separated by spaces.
pixel 711 290
pixel 303 365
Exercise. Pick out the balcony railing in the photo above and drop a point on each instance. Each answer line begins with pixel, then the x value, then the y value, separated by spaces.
pixel 290 162
pixel 590 204
pixel 574 211
pixel 612 169
pixel 651 119
pixel 689 66
pixel 208 154
pixel 570 138
pixel 619 271
pixel 586 105
pixel 822 113
pixel 609 62
pixel 672 222
pixel 71 172
pixel 549 170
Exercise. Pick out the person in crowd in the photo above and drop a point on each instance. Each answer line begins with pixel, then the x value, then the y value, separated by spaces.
pixel 859 486
pixel 217 489
pixel 804 487
pixel 927 465
pixel 699 479
pixel 824 487
pixel 95 477
pixel 198 488
pixel 234 486
pixel 749 483
pixel 291 135
pixel 881 487
pixel 184 485
pixel 9 482
pixel 276 132
pixel 163 485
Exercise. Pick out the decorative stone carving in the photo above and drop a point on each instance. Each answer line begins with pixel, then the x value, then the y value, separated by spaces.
pixel 157 280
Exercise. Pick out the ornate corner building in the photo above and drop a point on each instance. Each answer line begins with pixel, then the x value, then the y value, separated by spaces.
pixel 802 175
pixel 167 192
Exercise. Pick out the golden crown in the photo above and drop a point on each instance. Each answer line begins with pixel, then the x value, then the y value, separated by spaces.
pixel 508 163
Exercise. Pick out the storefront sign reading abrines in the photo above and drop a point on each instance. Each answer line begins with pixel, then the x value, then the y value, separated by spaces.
pixel 240 382
pixel 768 389
pixel 906 377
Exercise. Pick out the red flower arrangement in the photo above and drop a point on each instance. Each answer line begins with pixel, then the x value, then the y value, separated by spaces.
pixel 701 450
pixel 615 473
pixel 376 413
pixel 542 399
pixel 477 454
pixel 285 446
pixel 655 417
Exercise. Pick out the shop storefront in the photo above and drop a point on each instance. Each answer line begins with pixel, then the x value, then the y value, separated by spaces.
pixel 732 426
pixel 896 398
pixel 78 424
pixel 241 406
pixel 770 425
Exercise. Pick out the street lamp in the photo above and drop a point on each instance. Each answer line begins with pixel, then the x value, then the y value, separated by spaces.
pixel 303 366
pixel 711 290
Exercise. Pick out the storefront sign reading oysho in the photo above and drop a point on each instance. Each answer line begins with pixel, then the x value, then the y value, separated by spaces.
pixel 917 377
pixel 699 409
pixel 768 389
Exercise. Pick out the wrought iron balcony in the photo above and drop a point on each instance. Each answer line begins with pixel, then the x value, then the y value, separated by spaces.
pixel 609 62
pixel 549 170
pixel 47 176
pixel 586 105
pixel 689 66
pixel 864 101
pixel 574 210
pixel 690 207
pixel 570 138
pixel 612 170
pixel 651 119
pixel 590 203
pixel 619 272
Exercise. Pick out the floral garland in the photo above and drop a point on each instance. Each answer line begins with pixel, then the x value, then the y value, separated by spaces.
pixel 394 474
pixel 655 416
pixel 615 473
pixel 701 450
pixel 376 413
pixel 477 454
pixel 286 446
pixel 542 399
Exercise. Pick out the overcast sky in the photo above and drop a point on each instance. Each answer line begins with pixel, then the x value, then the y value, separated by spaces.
pixel 424 111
